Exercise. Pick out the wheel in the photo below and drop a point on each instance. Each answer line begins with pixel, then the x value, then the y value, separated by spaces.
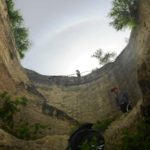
pixel 86 135
pixel 128 107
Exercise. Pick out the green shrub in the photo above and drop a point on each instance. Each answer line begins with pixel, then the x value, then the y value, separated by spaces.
pixel 85 146
pixel 101 126
pixel 21 101
pixel 20 32
pixel 90 145
pixel 137 140
pixel 36 127
pixel 25 130
pixel 102 57
pixel 8 109
pixel 124 14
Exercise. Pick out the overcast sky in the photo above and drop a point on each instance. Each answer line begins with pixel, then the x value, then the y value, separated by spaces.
pixel 65 33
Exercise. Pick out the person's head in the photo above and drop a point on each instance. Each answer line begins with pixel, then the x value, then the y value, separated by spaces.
pixel 77 71
pixel 114 90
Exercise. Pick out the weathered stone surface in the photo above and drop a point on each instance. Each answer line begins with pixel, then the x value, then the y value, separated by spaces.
pixel 144 62
pixel 53 142
pixel 113 134
pixel 142 44
pixel 14 80
pixel 11 71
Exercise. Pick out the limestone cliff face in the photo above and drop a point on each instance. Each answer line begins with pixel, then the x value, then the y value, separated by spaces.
pixel 89 98
pixel 11 72
pixel 142 44
pixel 14 80
pixel 12 76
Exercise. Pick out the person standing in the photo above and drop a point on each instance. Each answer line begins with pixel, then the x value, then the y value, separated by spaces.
pixel 78 73
pixel 122 99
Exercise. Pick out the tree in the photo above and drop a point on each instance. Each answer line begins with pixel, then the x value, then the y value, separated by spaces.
pixel 8 109
pixel 20 32
pixel 22 43
pixel 102 57
pixel 124 14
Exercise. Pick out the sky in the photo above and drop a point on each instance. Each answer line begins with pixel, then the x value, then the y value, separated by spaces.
pixel 64 34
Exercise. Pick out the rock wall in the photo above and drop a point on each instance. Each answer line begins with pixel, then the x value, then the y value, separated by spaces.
pixel 11 72
pixel 89 98
pixel 142 44
pixel 65 80
pixel 14 80
pixel 143 40
pixel 12 76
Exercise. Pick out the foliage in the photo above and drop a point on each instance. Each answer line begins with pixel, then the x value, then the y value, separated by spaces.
pixel 139 139
pixel 21 101
pixel 102 57
pixel 27 131
pixel 124 14
pixel 101 126
pixel 23 130
pixel 8 109
pixel 20 32
pixel 90 145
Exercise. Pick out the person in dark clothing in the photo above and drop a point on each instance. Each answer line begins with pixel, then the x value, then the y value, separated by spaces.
pixel 122 99
pixel 78 73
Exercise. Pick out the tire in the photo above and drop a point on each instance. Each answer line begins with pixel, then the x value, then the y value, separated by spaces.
pixel 86 135
pixel 128 107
